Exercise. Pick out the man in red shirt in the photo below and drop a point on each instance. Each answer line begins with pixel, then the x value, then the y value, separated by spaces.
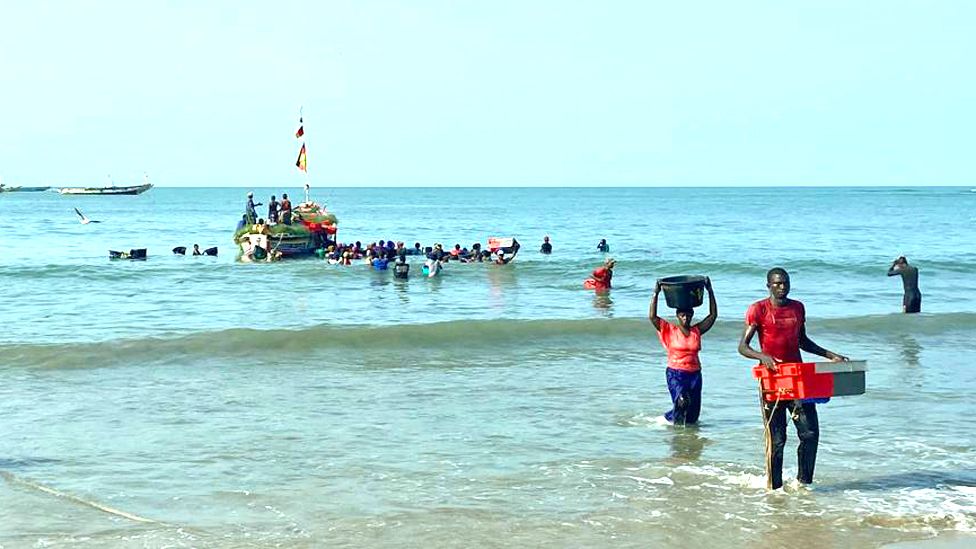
pixel 780 323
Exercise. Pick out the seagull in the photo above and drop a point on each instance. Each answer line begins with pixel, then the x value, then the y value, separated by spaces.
pixel 84 219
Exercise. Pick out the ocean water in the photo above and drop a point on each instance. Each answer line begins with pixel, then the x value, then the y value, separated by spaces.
pixel 300 404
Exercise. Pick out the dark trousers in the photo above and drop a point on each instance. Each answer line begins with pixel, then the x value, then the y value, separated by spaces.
pixel 686 390
pixel 807 430
pixel 913 302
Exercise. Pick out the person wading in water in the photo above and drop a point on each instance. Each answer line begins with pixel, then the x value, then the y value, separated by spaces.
pixel 781 325
pixel 912 302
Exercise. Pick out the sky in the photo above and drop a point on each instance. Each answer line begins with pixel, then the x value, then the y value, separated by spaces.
pixel 488 93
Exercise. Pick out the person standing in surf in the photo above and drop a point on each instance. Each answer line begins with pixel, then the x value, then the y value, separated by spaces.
pixel 781 325
pixel 912 302
pixel 683 343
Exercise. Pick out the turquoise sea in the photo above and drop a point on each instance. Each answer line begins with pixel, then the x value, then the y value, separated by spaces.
pixel 200 402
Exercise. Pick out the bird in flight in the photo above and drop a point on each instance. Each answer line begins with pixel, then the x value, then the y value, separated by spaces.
pixel 84 218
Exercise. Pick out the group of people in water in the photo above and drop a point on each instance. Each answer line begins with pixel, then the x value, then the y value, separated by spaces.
pixel 181 250
pixel 780 324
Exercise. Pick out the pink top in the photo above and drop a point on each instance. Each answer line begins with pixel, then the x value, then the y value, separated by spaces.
pixel 682 349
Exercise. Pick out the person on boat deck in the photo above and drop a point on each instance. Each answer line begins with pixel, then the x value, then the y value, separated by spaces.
pixel 261 228
pixel 242 223
pixel 273 210
pixel 503 258
pixel 781 325
pixel 603 275
pixel 912 301
pixel 603 246
pixel 196 250
pixel 250 209
pixel 683 342
pixel 546 246
pixel 285 209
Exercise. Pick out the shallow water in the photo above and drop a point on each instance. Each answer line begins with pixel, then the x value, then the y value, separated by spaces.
pixel 302 404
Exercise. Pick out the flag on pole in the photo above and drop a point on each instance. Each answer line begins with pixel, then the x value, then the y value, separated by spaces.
pixel 301 162
pixel 301 129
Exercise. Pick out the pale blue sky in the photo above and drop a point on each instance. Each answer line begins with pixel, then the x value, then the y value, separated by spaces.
pixel 488 93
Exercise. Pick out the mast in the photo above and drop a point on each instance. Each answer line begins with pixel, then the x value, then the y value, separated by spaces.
pixel 302 162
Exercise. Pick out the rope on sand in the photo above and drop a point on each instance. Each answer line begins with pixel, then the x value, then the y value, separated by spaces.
pixel 13 479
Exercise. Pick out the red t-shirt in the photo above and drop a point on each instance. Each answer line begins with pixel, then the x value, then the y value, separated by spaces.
pixel 779 328
pixel 682 349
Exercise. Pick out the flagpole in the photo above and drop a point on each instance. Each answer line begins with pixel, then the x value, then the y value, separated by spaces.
pixel 308 184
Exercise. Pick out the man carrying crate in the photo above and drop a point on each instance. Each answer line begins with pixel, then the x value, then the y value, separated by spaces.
pixel 780 323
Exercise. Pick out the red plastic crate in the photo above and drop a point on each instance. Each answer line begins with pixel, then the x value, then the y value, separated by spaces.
pixel 794 380
pixel 809 380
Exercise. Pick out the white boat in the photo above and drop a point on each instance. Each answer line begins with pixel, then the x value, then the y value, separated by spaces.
pixel 131 189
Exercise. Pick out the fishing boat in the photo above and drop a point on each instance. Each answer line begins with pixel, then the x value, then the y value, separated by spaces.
pixel 311 227
pixel 6 189
pixel 131 189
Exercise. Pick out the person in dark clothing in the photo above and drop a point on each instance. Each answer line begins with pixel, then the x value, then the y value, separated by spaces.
pixel 401 269
pixel 437 253
pixel 781 325
pixel 912 302
pixel 285 209
pixel 250 210
pixel 273 210
pixel 603 246
pixel 546 246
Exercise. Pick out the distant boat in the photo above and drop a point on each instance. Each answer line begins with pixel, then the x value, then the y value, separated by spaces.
pixel 132 189
pixel 5 189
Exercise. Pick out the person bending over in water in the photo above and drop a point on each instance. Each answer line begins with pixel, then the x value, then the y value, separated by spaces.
pixel 683 342
pixel 781 325
pixel 603 275
pixel 912 302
